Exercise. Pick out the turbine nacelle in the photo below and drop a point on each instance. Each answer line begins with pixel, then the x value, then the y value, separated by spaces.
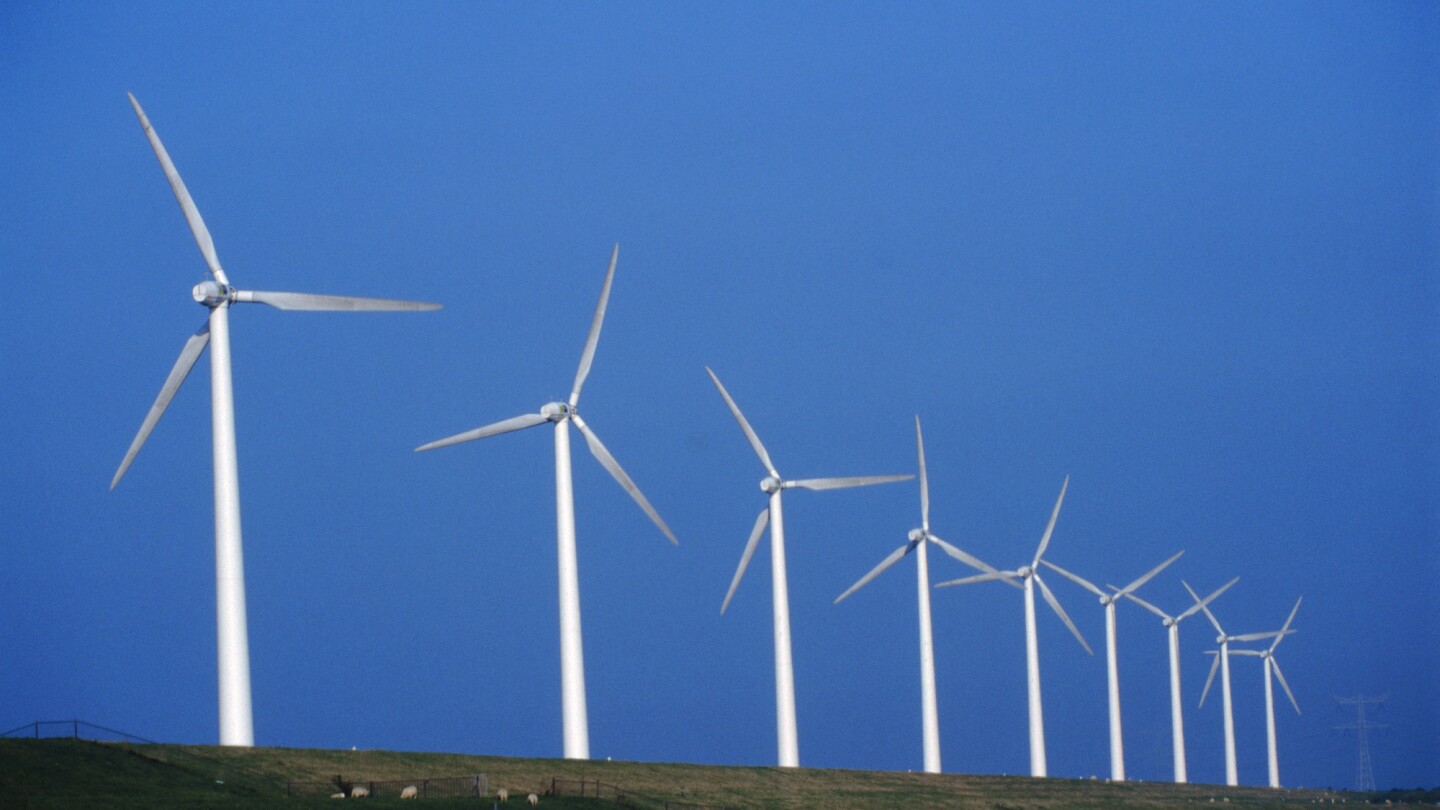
pixel 771 485
pixel 916 535
pixel 1024 571
pixel 557 411
pixel 212 294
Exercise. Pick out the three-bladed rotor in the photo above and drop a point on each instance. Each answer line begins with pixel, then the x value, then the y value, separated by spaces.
pixel 1031 571
pixel 217 292
pixel 568 411
pixel 920 534
pixel 774 483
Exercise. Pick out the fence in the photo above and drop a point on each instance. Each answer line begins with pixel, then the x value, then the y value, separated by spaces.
pixel 74 729
pixel 595 789
pixel 449 787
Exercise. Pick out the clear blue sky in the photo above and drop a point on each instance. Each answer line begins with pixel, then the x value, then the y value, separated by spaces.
pixel 1186 254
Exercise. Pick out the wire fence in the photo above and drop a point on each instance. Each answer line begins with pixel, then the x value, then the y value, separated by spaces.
pixel 595 789
pixel 73 729
pixel 448 787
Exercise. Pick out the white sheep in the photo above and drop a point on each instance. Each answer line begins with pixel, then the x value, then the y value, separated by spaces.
pixel 503 795
pixel 533 799
pixel 410 792
pixel 337 795
pixel 359 792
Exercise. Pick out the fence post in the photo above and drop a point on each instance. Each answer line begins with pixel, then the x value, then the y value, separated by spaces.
pixel 75 730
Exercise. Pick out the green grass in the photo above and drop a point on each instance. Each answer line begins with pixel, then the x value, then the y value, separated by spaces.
pixel 65 773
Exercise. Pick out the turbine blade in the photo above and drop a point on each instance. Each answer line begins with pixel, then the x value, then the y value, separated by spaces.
pixel 608 462
pixel 1084 583
pixel 187 205
pixel 745 426
pixel 1157 611
pixel 1251 653
pixel 750 544
pixel 588 356
pixel 1134 586
pixel 1259 636
pixel 969 559
pixel 1059 611
pixel 986 577
pixel 844 483
pixel 505 426
pixel 1214 665
pixel 194 347
pixel 1284 631
pixel 1050 527
pixel 1200 605
pixel 875 572
pixel 924 482
pixel 330 303
pixel 1280 676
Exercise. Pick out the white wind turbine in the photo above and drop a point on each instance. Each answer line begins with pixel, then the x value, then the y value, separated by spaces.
pixel 1222 661
pixel 572 661
pixel 1272 664
pixel 930 722
pixel 1108 600
pixel 236 720
pixel 1177 721
pixel 1031 576
pixel 786 734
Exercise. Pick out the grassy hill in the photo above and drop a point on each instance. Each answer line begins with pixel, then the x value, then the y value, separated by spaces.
pixel 64 773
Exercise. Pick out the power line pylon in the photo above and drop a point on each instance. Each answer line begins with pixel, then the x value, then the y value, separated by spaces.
pixel 1364 776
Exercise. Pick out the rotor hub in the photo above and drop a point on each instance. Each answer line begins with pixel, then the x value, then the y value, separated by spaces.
pixel 916 535
pixel 770 485
pixel 1025 571
pixel 556 411
pixel 211 294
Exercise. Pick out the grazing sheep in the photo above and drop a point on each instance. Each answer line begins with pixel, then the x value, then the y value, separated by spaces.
pixel 503 795
pixel 359 792
pixel 410 792
pixel 533 799
pixel 337 795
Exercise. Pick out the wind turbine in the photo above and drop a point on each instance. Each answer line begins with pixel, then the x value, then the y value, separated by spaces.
pixel 772 485
pixel 1107 600
pixel 930 722
pixel 1172 623
pixel 1222 661
pixel 1272 664
pixel 216 294
pixel 1030 574
pixel 572 660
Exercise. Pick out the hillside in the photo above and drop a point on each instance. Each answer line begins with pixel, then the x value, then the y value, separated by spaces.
pixel 63 773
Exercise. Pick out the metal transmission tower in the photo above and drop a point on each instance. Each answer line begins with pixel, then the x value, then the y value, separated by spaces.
pixel 1364 777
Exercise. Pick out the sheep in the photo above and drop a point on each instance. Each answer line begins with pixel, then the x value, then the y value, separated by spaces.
pixel 533 799
pixel 337 795
pixel 359 792
pixel 503 795
pixel 410 792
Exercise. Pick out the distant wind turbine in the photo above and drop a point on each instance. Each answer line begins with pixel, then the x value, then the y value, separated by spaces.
pixel 786 734
pixel 930 722
pixel 1272 665
pixel 1030 574
pixel 216 294
pixel 1177 719
pixel 572 661
pixel 1107 600
pixel 1222 661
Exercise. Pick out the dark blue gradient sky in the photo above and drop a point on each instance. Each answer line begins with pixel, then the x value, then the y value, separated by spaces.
pixel 1185 253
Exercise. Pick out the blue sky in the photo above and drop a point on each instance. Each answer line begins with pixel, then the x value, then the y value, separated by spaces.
pixel 1185 254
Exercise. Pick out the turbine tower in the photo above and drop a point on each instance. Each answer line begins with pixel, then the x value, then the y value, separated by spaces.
pixel 1222 660
pixel 1364 776
pixel 572 661
pixel 233 645
pixel 1107 600
pixel 1030 574
pixel 1272 667
pixel 1177 720
pixel 773 485
pixel 917 542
